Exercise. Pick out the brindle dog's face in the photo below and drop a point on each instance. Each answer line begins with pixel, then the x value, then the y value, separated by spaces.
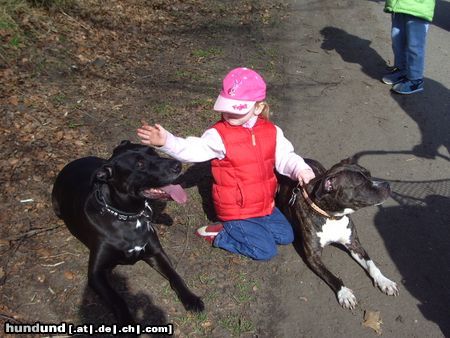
pixel 348 185
pixel 135 170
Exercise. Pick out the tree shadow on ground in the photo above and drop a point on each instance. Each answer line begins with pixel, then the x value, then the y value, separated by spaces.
pixel 94 311
pixel 429 109
pixel 442 15
pixel 416 235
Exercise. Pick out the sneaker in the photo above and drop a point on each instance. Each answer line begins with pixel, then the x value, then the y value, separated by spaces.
pixel 395 76
pixel 407 87
pixel 209 232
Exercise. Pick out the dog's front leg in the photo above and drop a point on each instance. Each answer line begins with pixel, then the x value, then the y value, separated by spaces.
pixel 100 264
pixel 161 263
pixel 360 255
pixel 344 295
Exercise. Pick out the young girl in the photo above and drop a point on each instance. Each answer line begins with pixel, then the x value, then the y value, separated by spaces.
pixel 246 149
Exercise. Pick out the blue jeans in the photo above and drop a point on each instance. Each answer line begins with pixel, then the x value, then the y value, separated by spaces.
pixel 409 35
pixel 256 238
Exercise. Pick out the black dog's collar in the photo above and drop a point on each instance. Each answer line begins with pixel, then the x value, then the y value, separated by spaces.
pixel 147 212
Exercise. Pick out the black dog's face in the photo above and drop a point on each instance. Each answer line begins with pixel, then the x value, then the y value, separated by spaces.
pixel 138 171
pixel 347 185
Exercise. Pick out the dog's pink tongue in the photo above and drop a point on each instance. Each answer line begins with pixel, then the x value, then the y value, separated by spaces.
pixel 176 192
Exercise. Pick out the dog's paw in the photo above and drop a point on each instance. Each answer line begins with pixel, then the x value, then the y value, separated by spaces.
pixel 193 303
pixel 346 298
pixel 387 286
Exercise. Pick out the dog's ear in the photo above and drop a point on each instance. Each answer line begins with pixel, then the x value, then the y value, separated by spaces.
pixel 349 160
pixel 124 143
pixel 328 184
pixel 104 173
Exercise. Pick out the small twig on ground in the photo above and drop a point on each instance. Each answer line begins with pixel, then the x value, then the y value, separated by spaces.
pixel 9 318
pixel 31 233
pixel 74 20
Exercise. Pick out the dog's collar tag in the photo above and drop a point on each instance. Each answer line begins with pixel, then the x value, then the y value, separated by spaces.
pixel 148 211
pixel 293 196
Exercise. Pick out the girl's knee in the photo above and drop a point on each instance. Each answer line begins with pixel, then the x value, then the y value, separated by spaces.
pixel 287 237
pixel 266 253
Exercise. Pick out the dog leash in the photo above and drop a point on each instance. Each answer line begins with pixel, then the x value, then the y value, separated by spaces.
pixel 311 203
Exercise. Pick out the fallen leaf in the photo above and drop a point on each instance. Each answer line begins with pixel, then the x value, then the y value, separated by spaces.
pixel 13 100
pixel 373 321
pixel 206 324
pixel 69 275
pixel 43 252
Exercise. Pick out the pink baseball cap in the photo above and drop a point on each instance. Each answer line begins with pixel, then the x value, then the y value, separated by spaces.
pixel 241 89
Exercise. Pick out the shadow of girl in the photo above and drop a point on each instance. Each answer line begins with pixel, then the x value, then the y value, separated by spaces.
pixel 429 109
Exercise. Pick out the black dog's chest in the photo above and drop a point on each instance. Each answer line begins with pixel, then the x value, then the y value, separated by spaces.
pixel 131 238
pixel 134 237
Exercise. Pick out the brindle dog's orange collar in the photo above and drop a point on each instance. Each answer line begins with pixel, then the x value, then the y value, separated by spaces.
pixel 308 200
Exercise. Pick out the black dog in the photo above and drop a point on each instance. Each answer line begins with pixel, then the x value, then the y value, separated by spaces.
pixel 319 212
pixel 107 205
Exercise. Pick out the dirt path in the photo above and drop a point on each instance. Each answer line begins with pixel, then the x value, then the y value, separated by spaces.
pixel 79 81
pixel 335 106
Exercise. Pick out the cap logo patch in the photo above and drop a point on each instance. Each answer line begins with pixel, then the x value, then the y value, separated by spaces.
pixel 234 87
pixel 240 106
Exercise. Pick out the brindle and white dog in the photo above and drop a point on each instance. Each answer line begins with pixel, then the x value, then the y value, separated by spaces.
pixel 320 212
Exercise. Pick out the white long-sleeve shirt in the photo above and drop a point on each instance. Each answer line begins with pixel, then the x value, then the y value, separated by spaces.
pixel 210 145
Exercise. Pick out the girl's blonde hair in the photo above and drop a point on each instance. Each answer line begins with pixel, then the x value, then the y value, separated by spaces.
pixel 265 113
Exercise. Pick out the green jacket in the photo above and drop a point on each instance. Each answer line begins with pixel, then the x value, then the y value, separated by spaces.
pixel 421 8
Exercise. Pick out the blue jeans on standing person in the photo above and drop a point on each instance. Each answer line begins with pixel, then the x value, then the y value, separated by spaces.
pixel 256 238
pixel 409 35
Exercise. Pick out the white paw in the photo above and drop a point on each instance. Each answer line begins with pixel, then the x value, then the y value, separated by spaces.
pixel 346 298
pixel 387 286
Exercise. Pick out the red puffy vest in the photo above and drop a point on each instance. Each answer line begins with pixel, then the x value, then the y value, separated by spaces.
pixel 244 181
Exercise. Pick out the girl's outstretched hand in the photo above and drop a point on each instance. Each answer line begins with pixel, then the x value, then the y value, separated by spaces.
pixel 152 135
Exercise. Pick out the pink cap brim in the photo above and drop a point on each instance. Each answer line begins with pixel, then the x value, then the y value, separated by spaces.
pixel 239 107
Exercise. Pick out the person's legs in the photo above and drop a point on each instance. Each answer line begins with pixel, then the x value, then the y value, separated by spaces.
pixel 256 238
pixel 280 228
pixel 416 30
pixel 398 37
pixel 247 237
pixel 416 34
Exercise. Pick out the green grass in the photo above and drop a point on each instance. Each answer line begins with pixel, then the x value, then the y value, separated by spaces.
pixel 245 288
pixel 16 32
pixel 196 323
pixel 58 99
pixel 53 4
pixel 189 75
pixel 236 324
pixel 205 53
pixel 163 110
